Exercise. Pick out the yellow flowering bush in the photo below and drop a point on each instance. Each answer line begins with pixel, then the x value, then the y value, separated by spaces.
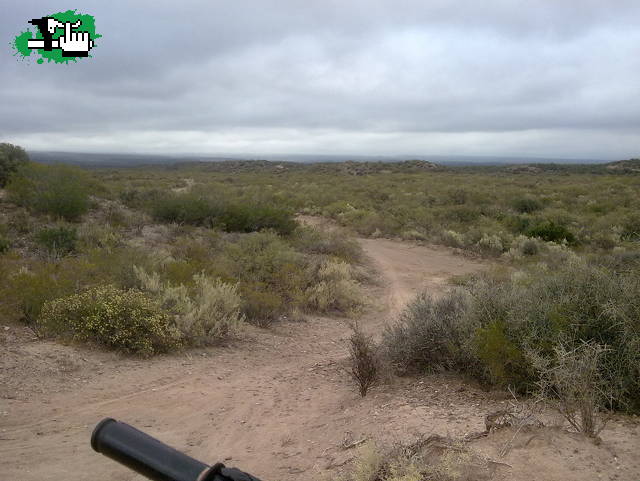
pixel 128 320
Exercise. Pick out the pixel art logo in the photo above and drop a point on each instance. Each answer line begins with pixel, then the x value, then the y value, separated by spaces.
pixel 59 37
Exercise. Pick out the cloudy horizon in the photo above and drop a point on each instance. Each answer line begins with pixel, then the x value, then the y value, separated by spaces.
pixel 502 78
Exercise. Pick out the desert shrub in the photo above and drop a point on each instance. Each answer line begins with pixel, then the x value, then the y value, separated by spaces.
pixel 523 246
pixel 29 287
pixel 413 234
pixel 334 289
pixel 461 214
pixel 333 243
pixel 431 334
pixel 526 204
pixel 264 263
pixel 451 238
pixel 138 199
pixel 574 381
pixel 490 244
pixel 29 290
pixel 503 357
pixel 59 240
pixel 5 243
pixel 490 331
pixel 253 217
pixel 364 360
pixel 213 313
pixel 619 262
pixel 458 196
pixel 125 320
pixel 115 265
pixel 576 301
pixel 12 157
pixel 117 216
pixel 58 190
pixel 529 247
pixel 231 217
pixel 605 240
pixel 552 232
pixel 261 305
pixel 518 224
pixel 204 313
pixel 368 464
pixel 101 236
pixel 185 209
pixel 435 458
pixel 631 227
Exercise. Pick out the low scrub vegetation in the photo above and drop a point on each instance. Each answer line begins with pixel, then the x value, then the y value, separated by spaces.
pixel 126 320
pixel 208 267
pixel 60 191
pixel 209 212
pixel 59 240
pixel 503 325
pixel 485 213
pixel 364 358
pixel 12 158
pixel 334 288
pixel 228 250
pixel 5 242
pixel 205 312
pixel 432 334
pixel 575 379
pixel 435 458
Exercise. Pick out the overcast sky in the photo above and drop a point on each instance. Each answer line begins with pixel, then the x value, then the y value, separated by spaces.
pixel 553 78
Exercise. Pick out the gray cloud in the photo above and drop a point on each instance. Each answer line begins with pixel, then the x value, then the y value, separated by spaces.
pixel 556 78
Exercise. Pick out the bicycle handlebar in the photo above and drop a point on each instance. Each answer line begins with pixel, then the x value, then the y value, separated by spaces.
pixel 155 460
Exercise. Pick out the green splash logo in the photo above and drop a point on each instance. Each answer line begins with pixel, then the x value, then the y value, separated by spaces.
pixel 59 37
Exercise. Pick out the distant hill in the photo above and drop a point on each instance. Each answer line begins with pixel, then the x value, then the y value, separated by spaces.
pixel 631 166
pixel 128 160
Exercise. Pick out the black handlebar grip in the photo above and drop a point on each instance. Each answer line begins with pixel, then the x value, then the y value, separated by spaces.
pixel 145 455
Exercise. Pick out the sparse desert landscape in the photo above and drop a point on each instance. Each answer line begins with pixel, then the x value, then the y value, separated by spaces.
pixel 278 404
pixel 320 241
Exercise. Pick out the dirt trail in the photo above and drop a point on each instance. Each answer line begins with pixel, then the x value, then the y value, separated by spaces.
pixel 278 403
pixel 409 268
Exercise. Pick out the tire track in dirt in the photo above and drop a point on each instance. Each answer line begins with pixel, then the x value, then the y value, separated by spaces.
pixel 278 403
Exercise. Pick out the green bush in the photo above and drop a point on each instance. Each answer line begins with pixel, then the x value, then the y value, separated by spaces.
pixel 29 287
pixel 551 232
pixel 503 359
pixel 253 218
pixel 125 320
pixel 527 204
pixel 58 190
pixel 461 214
pixel 5 244
pixel 185 209
pixel 12 157
pixel 261 305
pixel 58 240
pixel 506 321
pixel 239 217
pixel 29 290
pixel 265 260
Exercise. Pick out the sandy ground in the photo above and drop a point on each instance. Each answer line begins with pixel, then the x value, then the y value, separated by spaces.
pixel 277 403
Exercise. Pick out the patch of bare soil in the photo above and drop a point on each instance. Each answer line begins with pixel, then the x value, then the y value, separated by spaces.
pixel 277 403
